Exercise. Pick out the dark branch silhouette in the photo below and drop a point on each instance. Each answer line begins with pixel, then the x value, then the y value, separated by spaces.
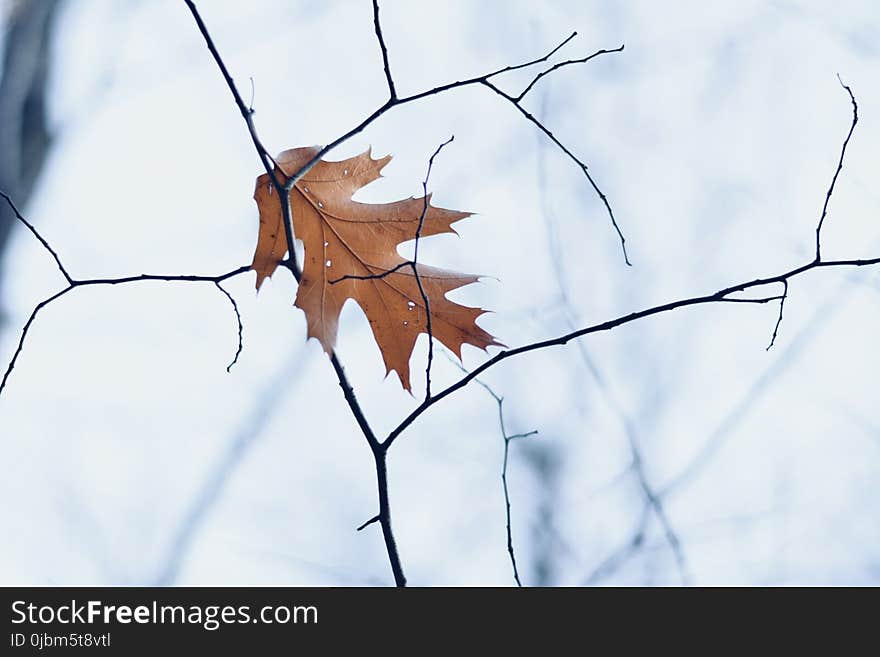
pixel 378 448
pixel 238 319
pixel 377 26
pixel 74 283
pixel 499 400
pixel 39 237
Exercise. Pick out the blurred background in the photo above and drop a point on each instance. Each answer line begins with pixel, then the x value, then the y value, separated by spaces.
pixel 671 450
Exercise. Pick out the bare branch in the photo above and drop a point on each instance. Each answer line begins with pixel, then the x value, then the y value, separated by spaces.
pixel 852 127
pixel 238 319
pixel 782 299
pixel 369 522
pixel 392 93
pixel 484 80
pixel 758 300
pixel 414 266
pixel 370 277
pixel 380 449
pixel 248 433
pixel 717 297
pixel 651 497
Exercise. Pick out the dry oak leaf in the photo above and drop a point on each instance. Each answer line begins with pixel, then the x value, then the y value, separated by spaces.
pixel 343 238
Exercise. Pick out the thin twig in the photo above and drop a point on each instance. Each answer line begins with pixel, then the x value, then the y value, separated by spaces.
pixel 716 297
pixel 652 497
pixel 483 80
pixel 499 400
pixel 36 234
pixel 621 555
pixel 379 452
pixel 764 382
pixel 380 449
pixel 782 297
pixel 24 332
pixel 246 112
pixel 415 268
pixel 238 319
pixel 74 284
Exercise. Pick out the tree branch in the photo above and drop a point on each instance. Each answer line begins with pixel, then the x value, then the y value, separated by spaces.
pixel 238 319
pixel 380 449
pixel 652 498
pixel 781 299
pixel 414 265
pixel 377 26
pixel 36 234
pixel 25 132
pixel 507 440
pixel 717 297
pixel 74 283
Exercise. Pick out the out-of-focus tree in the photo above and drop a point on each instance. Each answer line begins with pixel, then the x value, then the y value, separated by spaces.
pixel 25 137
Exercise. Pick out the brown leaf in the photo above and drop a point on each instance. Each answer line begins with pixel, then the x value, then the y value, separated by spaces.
pixel 344 238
